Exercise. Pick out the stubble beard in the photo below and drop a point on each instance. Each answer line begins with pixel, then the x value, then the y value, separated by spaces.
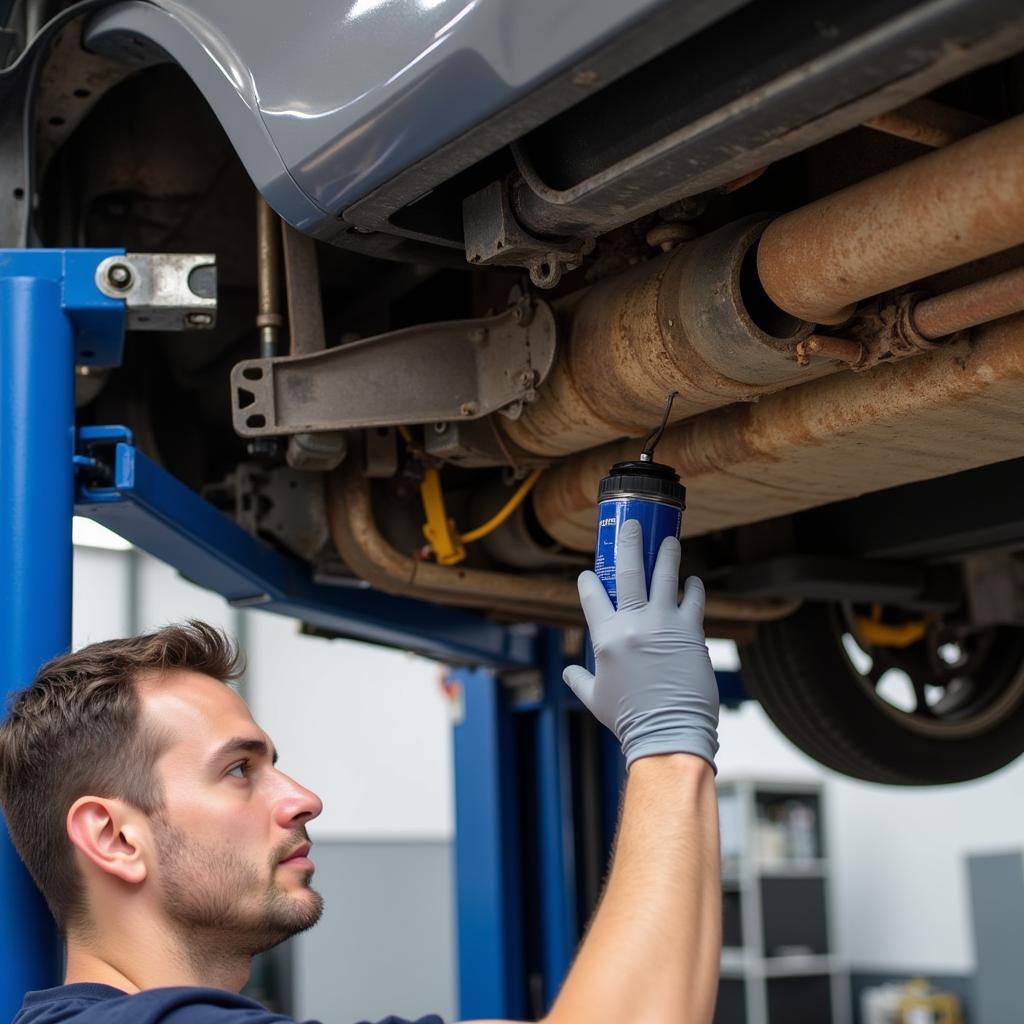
pixel 221 905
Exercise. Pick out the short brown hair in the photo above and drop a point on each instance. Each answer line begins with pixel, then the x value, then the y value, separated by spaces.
pixel 75 732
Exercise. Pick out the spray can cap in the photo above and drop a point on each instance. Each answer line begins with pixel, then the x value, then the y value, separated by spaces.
pixel 643 477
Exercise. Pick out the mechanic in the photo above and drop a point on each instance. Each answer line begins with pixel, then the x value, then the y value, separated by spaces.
pixel 145 801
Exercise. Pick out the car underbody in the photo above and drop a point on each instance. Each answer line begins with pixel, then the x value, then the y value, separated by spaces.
pixel 806 221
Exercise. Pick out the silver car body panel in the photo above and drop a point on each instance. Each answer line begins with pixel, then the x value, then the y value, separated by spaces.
pixel 324 102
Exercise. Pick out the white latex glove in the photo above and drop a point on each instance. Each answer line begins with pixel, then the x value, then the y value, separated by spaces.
pixel 654 686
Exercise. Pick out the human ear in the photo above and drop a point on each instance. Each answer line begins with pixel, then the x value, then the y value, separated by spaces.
pixel 104 832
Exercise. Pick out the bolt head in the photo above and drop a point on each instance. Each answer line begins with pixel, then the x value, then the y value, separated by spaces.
pixel 119 275
pixel 467 408
pixel 199 319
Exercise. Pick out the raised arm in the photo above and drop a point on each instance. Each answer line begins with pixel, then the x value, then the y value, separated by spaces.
pixel 651 954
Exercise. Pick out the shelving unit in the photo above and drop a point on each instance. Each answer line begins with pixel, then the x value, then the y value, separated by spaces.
pixel 778 962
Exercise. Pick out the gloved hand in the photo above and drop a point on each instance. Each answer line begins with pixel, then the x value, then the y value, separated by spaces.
pixel 654 685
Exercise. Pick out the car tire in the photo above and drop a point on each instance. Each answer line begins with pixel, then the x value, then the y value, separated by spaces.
pixel 801 671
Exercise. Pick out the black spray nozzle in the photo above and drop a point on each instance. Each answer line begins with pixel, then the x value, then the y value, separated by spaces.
pixel 655 435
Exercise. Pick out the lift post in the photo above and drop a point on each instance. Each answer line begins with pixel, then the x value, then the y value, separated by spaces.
pixel 50 312
pixel 537 787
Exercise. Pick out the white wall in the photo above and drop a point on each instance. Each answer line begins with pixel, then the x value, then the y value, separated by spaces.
pixel 165 597
pixel 900 891
pixel 365 727
pixel 99 598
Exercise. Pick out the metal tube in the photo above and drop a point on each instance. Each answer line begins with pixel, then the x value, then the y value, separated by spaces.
pixel 940 211
pixel 927 123
pixel 682 322
pixel 367 552
pixel 268 278
pixel 37 410
pixel 830 348
pixel 953 408
pixel 973 304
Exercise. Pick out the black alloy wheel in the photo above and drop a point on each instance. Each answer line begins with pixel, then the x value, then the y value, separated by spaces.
pixel 946 707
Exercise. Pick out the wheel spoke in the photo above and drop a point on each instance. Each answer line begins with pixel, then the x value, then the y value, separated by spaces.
pixel 923 707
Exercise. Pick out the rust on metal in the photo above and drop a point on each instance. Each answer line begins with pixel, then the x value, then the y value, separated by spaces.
pixel 944 209
pixel 538 598
pixel 268 288
pixel 667 236
pixel 371 556
pixel 952 408
pixel 973 304
pixel 843 349
pixel 929 123
pixel 885 331
pixel 676 323
pixel 742 181
pixel 305 305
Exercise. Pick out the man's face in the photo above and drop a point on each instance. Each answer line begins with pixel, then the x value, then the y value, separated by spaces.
pixel 231 845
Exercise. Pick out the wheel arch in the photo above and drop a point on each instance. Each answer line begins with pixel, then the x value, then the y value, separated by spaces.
pixel 145 33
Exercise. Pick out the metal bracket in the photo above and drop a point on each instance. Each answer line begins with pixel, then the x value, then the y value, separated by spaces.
pixel 278 502
pixel 494 236
pixel 457 370
pixel 162 291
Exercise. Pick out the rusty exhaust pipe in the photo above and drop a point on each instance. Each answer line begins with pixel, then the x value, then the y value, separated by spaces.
pixel 940 211
pixel 720 319
pixel 953 408
pixel 694 321
pixel 973 304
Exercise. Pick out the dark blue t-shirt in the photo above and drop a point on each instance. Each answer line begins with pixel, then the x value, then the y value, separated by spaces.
pixel 102 1004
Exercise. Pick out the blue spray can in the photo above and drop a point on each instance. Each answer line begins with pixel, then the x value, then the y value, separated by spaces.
pixel 647 491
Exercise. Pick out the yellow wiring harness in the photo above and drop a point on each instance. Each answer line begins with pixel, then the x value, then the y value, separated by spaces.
pixel 448 545
pixel 506 510
pixel 876 633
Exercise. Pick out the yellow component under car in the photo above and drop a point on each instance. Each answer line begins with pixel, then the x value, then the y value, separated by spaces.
pixel 439 530
pixel 445 541
pixel 876 633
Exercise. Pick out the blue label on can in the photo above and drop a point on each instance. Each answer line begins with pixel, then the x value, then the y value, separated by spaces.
pixel 657 519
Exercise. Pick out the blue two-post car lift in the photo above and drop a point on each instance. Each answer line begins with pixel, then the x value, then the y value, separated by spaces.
pixel 537 782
